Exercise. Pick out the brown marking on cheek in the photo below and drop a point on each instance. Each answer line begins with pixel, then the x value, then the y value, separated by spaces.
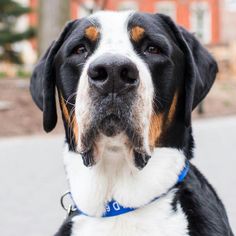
pixel 92 33
pixel 137 33
pixel 155 129
pixel 75 126
pixel 172 108
pixel 65 110
pixel 71 120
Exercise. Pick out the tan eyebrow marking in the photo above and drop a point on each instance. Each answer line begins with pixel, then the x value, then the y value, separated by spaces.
pixel 92 33
pixel 137 33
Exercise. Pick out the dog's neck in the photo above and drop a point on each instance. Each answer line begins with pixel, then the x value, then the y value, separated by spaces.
pixel 116 177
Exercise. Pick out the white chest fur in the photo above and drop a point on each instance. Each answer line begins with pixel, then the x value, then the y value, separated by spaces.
pixel 115 177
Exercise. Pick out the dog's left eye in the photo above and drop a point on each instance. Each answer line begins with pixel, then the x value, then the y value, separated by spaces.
pixel 152 49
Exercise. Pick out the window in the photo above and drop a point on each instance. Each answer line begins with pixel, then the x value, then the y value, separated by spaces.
pixel 230 5
pixel 200 21
pixel 128 5
pixel 167 7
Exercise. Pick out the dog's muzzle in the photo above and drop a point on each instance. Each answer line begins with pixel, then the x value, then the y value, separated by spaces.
pixel 113 81
pixel 113 89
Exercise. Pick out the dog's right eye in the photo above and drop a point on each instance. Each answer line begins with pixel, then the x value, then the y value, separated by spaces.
pixel 81 49
pixel 152 49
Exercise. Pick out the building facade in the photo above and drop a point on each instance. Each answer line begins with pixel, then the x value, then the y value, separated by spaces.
pixel 227 21
pixel 213 21
pixel 198 16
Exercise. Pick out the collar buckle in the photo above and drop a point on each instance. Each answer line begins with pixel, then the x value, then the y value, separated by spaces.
pixel 67 203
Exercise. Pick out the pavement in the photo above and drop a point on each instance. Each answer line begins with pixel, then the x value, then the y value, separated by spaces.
pixel 32 178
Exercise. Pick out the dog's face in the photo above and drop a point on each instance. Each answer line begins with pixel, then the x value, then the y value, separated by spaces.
pixel 125 74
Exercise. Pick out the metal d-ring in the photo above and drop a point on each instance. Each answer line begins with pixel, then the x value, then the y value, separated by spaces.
pixel 71 207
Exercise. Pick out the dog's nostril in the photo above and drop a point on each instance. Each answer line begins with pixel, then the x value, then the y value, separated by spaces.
pixel 124 73
pixel 98 74
pixel 128 76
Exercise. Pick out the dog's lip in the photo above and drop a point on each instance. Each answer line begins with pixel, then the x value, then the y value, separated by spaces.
pixel 112 115
pixel 110 125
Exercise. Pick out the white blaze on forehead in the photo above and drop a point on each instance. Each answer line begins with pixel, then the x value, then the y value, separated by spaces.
pixel 114 31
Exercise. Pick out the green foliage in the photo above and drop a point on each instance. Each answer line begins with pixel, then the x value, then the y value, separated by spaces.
pixel 9 9
pixel 3 75
pixel 9 13
pixel 23 74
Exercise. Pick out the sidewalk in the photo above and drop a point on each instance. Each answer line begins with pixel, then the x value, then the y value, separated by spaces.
pixel 32 180
pixel 32 177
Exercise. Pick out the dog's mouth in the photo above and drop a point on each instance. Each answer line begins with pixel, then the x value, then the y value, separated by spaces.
pixel 109 114
pixel 111 125
pixel 110 119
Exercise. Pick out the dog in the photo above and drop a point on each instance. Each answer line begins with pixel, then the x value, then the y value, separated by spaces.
pixel 127 83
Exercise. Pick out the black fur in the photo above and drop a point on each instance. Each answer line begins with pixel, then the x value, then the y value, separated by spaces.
pixel 141 159
pixel 43 82
pixel 88 158
pixel 66 228
pixel 205 212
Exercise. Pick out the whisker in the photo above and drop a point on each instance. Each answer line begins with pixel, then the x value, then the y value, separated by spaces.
pixel 80 64
pixel 70 97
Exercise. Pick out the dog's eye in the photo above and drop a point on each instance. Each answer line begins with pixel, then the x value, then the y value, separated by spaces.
pixel 152 49
pixel 81 49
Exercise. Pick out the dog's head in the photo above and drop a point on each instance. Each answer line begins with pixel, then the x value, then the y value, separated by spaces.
pixel 135 74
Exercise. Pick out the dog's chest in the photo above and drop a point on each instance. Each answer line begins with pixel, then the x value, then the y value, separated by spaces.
pixel 158 218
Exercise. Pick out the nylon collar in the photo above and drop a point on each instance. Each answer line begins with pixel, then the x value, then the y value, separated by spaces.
pixel 113 208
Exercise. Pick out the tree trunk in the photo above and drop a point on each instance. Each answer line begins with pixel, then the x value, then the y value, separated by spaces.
pixel 53 15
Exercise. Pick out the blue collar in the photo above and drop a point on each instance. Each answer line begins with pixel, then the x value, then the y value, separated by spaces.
pixel 113 208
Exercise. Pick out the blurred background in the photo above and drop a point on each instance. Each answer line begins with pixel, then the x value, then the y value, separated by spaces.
pixel 31 171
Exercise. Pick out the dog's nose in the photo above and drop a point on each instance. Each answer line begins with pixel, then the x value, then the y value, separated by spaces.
pixel 113 74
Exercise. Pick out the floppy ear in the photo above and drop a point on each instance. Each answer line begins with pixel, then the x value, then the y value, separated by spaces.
pixel 42 84
pixel 200 70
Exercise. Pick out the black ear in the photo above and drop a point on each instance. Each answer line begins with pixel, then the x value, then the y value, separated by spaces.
pixel 201 68
pixel 42 84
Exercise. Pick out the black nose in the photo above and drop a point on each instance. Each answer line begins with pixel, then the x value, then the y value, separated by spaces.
pixel 112 73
